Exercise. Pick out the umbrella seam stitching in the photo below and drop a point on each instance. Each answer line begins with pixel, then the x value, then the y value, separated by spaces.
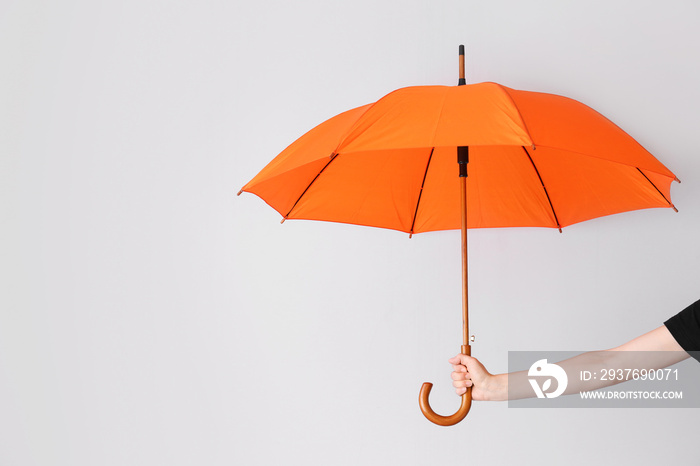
pixel 522 120
pixel 355 125
pixel 442 109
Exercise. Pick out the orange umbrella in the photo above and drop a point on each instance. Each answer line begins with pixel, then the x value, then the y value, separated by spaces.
pixel 535 160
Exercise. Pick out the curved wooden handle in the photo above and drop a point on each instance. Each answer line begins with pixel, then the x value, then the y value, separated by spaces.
pixel 435 418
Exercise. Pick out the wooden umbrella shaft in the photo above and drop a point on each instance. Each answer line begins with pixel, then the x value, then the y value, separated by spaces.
pixel 466 348
pixel 463 159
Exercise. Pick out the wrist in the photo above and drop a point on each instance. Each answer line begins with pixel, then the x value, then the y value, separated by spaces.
pixel 497 387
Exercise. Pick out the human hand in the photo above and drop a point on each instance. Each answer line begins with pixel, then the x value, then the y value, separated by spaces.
pixel 469 372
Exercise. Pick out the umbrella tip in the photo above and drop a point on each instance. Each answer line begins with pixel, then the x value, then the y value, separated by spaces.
pixel 282 221
pixel 239 192
pixel 678 180
pixel 461 49
pixel 560 230
pixel 410 235
pixel 674 208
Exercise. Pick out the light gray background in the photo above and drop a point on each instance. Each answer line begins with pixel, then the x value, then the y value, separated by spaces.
pixel 148 316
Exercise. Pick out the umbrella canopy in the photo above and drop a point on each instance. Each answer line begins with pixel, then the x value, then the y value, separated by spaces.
pixel 535 160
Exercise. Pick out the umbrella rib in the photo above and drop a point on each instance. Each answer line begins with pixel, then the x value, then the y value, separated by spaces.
pixel 657 189
pixel 556 219
pixel 332 157
pixel 420 193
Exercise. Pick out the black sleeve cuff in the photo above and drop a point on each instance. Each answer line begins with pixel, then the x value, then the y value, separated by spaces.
pixel 685 329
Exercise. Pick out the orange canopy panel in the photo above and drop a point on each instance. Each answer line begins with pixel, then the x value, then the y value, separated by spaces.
pixel 535 159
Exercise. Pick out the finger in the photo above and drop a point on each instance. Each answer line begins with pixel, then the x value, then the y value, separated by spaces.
pixel 458 376
pixel 458 359
pixel 461 391
pixel 462 383
pixel 459 368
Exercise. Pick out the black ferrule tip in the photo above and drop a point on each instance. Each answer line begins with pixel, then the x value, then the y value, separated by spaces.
pixel 461 50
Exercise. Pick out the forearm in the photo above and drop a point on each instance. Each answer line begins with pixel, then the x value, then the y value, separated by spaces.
pixel 610 366
pixel 651 351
